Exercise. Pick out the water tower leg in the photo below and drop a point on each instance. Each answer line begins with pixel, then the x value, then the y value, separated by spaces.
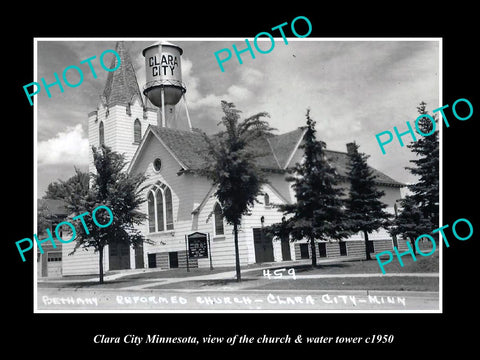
pixel 186 110
pixel 163 107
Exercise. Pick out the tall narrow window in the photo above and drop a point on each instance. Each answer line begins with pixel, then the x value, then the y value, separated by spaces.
pixel 266 199
pixel 101 134
pixel 218 219
pixel 160 208
pixel 160 218
pixel 137 131
pixel 151 212
pixel 169 208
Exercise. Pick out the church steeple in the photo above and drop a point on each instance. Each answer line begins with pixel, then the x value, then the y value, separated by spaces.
pixel 121 87
pixel 123 115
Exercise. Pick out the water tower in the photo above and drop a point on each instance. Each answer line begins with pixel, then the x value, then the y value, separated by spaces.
pixel 164 87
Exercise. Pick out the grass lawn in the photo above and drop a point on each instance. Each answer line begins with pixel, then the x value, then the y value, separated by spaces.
pixel 255 279
pixel 177 273
pixel 371 283
pixel 424 264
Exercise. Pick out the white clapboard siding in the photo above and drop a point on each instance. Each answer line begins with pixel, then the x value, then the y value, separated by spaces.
pixel 118 128
pixel 356 249
pixel 387 245
pixel 382 245
pixel 280 185
pixel 124 136
pixel 83 262
pixel 271 215
pixel 333 249
pixel 223 246
pixel 392 194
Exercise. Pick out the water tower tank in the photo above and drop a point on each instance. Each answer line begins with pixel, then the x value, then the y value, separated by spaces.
pixel 163 71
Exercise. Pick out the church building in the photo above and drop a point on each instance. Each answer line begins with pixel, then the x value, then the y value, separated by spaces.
pixel 180 201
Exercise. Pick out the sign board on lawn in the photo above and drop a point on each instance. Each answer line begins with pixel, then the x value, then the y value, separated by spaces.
pixel 197 246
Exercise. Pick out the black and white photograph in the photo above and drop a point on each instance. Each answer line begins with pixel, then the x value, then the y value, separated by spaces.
pixel 229 180
pixel 249 186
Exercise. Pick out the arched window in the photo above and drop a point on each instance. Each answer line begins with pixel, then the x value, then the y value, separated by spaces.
pixel 169 208
pixel 266 199
pixel 151 211
pixel 160 212
pixel 137 131
pixel 101 134
pixel 160 208
pixel 218 219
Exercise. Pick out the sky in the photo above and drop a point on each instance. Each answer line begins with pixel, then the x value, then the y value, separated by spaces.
pixel 354 90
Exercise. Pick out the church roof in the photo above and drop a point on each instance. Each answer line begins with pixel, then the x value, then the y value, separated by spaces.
pixel 188 147
pixel 121 86
pixel 340 161
pixel 276 153
pixel 284 145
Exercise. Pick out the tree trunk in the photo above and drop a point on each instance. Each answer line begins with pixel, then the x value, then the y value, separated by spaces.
pixel 314 253
pixel 367 247
pixel 237 254
pixel 100 264
pixel 412 241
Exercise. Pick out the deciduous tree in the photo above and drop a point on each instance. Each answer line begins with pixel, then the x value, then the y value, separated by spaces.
pixel 60 189
pixel 121 193
pixel 232 167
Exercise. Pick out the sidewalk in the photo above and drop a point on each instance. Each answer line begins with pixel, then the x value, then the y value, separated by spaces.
pixel 253 276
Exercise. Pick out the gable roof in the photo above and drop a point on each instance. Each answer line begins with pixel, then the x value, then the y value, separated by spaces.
pixel 285 145
pixel 188 147
pixel 121 86
pixel 340 161
pixel 276 153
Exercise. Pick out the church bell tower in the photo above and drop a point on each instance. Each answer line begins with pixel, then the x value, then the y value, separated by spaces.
pixel 122 114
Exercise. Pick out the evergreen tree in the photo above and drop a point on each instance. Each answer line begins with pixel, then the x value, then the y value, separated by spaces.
pixel 425 191
pixel 317 213
pixel 119 191
pixel 419 210
pixel 410 222
pixel 232 167
pixel 365 211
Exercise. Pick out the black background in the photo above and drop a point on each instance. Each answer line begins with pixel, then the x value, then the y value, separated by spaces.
pixel 73 333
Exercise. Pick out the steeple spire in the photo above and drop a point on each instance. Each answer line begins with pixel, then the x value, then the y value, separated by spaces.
pixel 121 86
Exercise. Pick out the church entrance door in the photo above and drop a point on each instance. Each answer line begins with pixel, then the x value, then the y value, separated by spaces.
pixel 263 246
pixel 286 249
pixel 119 256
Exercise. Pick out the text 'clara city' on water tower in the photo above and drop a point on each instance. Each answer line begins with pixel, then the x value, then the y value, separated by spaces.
pixel 164 87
